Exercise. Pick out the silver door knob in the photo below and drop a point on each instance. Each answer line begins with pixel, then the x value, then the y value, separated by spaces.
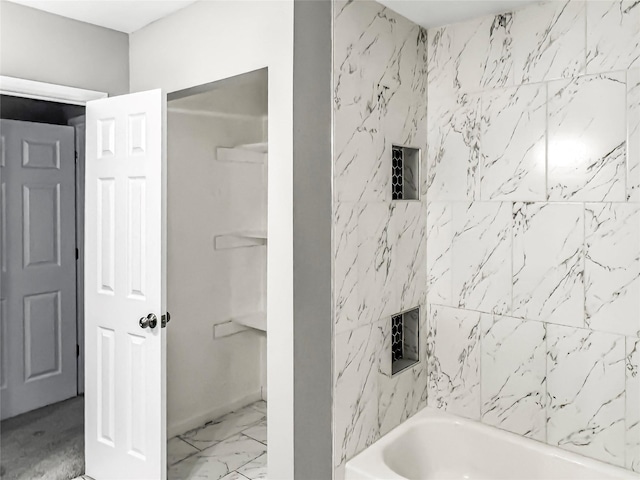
pixel 149 321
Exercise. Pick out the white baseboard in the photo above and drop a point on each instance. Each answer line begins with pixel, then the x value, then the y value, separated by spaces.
pixel 182 426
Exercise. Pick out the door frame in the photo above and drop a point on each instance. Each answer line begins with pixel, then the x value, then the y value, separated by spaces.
pixel 24 88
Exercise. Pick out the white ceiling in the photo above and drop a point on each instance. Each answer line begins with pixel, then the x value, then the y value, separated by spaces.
pixel 122 15
pixel 131 15
pixel 432 13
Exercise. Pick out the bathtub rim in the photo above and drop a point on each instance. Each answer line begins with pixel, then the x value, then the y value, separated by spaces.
pixel 371 459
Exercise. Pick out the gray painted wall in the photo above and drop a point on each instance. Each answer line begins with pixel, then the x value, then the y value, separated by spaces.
pixel 40 46
pixel 312 158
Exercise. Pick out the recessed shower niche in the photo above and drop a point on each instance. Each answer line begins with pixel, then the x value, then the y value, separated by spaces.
pixel 405 173
pixel 403 347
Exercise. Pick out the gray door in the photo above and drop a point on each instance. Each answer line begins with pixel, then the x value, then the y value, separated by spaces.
pixel 38 287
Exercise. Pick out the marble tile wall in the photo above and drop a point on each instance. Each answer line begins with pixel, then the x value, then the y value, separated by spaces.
pixel 533 224
pixel 380 265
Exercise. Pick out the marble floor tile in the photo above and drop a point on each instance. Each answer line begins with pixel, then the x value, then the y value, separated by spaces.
pixel 223 428
pixel 258 431
pixel 219 460
pixel 260 406
pixel 255 469
pixel 234 476
pixel 513 375
pixel 178 449
pixel 586 392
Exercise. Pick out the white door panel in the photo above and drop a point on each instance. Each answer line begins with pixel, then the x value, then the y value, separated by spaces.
pixel 124 282
pixel 37 253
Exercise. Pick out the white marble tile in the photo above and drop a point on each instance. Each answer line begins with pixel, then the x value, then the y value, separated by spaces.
pixel 453 361
pixel 400 396
pixel 472 55
pixel 378 289
pixel 355 391
pixel 346 266
pixel 260 406
pixel 613 35
pixel 612 267
pixel 258 431
pixel 219 460
pixel 548 41
pixel 548 262
pixel 512 144
pixel 587 138
pixel 585 385
pixel 513 376
pixel 633 135
pixel 255 469
pixel 379 96
pixel 439 252
pixel 409 223
pixel 481 276
pixel 234 476
pixel 453 148
pixel 633 404
pixel 222 428
pixel 178 449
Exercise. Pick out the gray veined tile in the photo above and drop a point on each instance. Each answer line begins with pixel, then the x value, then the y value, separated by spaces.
pixel 586 392
pixel 587 138
pixel 234 476
pixel 548 262
pixel 255 469
pixel 513 376
pixel 439 252
pixel 258 431
pixel 453 361
pixel 613 35
pixel 409 223
pixel 378 290
pixel 219 460
pixel 612 267
pixel 346 266
pixel 633 404
pixel 380 65
pixel 512 144
pixel 178 449
pixel 223 428
pixel 481 278
pixel 355 391
pixel 260 406
pixel 453 149
pixel 633 132
pixel 549 41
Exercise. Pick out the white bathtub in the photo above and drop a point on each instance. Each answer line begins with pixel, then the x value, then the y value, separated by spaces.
pixel 436 445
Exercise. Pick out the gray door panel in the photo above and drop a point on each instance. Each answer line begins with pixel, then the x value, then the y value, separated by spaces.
pixel 38 325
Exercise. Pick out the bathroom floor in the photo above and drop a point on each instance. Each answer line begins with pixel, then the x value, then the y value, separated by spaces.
pixel 233 447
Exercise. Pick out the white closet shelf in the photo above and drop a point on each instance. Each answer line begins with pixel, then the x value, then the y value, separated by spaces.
pixel 253 321
pixel 249 153
pixel 240 240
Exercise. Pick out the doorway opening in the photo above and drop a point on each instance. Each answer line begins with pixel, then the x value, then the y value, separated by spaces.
pixel 216 278
pixel 41 289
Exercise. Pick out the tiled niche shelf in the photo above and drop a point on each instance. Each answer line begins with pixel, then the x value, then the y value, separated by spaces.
pixel 240 240
pixel 405 173
pixel 249 153
pixel 405 340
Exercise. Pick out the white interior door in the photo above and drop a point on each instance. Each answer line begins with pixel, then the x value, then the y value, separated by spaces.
pixel 37 254
pixel 125 411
